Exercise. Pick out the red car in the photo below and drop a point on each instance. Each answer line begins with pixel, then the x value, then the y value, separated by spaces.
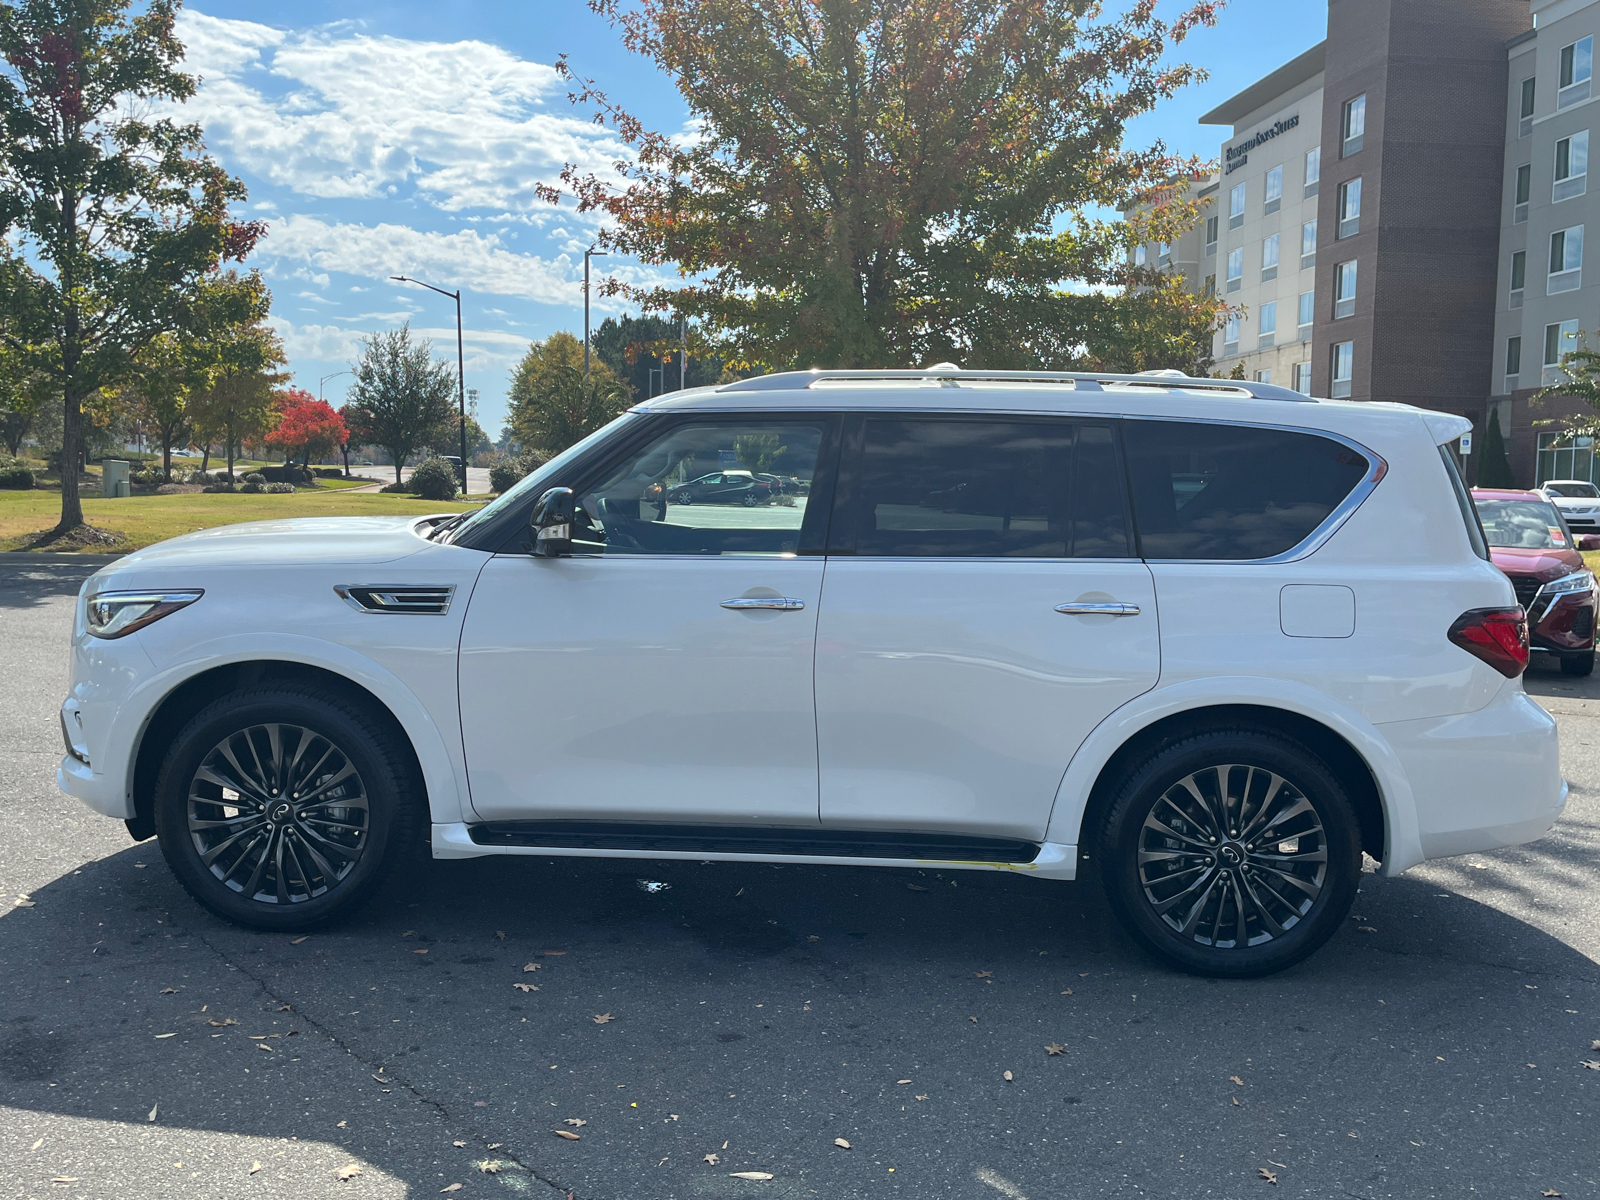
pixel 1530 542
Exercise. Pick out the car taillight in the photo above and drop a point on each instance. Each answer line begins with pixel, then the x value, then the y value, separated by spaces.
pixel 1499 636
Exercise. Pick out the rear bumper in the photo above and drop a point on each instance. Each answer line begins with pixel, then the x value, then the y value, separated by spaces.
pixel 1482 780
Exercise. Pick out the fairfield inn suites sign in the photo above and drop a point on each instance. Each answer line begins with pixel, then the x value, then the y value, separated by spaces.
pixel 1240 154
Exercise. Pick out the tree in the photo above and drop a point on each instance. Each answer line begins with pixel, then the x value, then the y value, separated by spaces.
pixel 888 182
pixel 1494 469
pixel 449 443
pixel 401 398
pixel 118 211
pixel 243 355
pixel 633 347
pixel 1579 380
pixel 306 426
pixel 552 405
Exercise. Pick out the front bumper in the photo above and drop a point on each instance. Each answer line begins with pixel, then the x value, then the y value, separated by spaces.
pixel 1564 623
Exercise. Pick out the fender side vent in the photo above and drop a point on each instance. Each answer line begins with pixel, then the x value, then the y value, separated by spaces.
pixel 401 598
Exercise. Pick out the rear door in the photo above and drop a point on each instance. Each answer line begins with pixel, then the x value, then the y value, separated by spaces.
pixel 982 611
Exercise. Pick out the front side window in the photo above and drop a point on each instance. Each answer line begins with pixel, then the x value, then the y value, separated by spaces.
pixel 1572 167
pixel 1344 364
pixel 1344 290
pixel 1355 124
pixel 1313 169
pixel 931 488
pixel 707 488
pixel 1566 259
pixel 1577 66
pixel 1522 524
pixel 1274 194
pixel 1349 207
pixel 1236 206
pixel 1204 491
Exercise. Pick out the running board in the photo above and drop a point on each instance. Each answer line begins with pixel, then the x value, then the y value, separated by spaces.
pixel 593 839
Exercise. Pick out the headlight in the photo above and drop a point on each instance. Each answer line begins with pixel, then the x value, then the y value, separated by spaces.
pixel 1578 581
pixel 117 614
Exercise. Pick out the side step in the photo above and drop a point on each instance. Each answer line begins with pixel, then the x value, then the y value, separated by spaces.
pixel 740 840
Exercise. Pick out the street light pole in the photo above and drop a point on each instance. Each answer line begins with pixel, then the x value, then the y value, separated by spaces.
pixel 461 368
pixel 344 447
pixel 325 379
pixel 591 252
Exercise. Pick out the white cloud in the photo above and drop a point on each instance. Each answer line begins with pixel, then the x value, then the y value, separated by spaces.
pixel 337 113
pixel 486 349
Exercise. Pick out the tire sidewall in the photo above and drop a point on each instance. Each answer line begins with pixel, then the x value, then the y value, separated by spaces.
pixel 1120 839
pixel 382 780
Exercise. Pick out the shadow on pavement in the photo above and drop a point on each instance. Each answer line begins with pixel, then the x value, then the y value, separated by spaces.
pixel 756 1013
pixel 27 581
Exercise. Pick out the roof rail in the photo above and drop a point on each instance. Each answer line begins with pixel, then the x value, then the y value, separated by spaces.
pixel 1090 381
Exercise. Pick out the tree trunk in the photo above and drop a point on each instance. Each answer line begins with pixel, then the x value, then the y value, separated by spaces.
pixel 398 459
pixel 205 458
pixel 71 450
pixel 166 452
pixel 345 450
pixel 228 433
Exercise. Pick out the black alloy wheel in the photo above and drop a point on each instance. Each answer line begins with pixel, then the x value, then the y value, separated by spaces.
pixel 1232 854
pixel 279 808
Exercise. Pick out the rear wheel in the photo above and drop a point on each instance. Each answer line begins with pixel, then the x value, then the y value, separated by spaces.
pixel 749 499
pixel 282 807
pixel 1234 853
pixel 1578 664
pixel 683 498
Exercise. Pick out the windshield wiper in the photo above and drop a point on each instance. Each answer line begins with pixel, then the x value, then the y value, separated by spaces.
pixel 446 525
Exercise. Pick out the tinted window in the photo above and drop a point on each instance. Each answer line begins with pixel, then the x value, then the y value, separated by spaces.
pixel 1232 492
pixel 988 489
pixel 723 487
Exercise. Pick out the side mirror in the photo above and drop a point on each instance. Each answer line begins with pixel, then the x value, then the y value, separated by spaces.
pixel 552 523
pixel 1587 541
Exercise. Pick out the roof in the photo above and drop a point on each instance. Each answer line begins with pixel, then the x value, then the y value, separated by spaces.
pixel 1261 93
pixel 1505 494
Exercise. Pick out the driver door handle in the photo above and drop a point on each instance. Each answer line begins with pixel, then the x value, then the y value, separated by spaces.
pixel 1096 609
pixel 776 603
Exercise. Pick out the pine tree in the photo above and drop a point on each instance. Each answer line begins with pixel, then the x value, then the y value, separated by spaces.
pixel 1494 469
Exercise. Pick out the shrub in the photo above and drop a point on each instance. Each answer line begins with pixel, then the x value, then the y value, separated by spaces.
pixel 279 489
pixel 255 477
pixel 396 487
pixel 224 487
pixel 197 476
pixel 434 479
pixel 504 475
pixel 327 472
pixel 147 476
pixel 14 474
pixel 253 488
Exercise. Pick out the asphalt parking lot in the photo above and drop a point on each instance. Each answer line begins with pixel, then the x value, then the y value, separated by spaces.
pixel 694 1024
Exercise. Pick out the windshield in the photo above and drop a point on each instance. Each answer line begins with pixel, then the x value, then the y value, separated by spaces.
pixel 545 477
pixel 1585 491
pixel 1523 524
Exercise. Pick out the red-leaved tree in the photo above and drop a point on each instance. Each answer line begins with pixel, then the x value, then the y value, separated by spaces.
pixel 309 428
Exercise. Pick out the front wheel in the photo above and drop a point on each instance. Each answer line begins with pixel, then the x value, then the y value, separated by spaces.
pixel 1580 664
pixel 283 806
pixel 683 498
pixel 1233 854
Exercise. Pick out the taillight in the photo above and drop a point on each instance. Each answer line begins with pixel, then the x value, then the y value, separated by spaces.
pixel 1499 636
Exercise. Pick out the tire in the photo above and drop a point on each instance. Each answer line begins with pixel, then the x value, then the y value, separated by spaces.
pixel 1578 664
pixel 749 499
pixel 1183 910
pixel 685 498
pixel 335 853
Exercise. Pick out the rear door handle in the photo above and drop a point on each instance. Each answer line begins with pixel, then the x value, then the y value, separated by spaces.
pixel 1108 609
pixel 775 603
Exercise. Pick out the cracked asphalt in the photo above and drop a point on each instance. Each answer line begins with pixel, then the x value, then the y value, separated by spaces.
pixel 758 1013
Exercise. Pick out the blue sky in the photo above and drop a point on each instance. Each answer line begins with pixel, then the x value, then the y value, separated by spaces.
pixel 392 138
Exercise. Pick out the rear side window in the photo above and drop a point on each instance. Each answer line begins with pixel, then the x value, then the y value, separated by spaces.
pixel 933 488
pixel 1210 491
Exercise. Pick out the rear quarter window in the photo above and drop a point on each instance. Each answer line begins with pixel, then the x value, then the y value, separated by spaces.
pixel 1214 491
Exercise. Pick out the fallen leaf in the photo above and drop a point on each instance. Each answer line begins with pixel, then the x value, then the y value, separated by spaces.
pixel 490 1166
pixel 285 1008
pixel 840 1142
pixel 1083 974
pixel 264 1046
pixel 1068 992
pixel 1595 1045
pixel 422 951
pixel 579 1122
pixel 712 1159
pixel 750 1174
pixel 152 1115
pixel 1006 1075
pixel 983 974
pixel 1549 1193
pixel 1366 929
pixel 915 887
pixel 159 1036
pixel 974 1020
pixel 383 1079
pixel 458 1144
pixel 501 934
pixel 811 937
pixel 342 1124
pixel 526 967
pixel 298 940
pixel 454 1187
pixel 169 991
pixel 1593 1066
pixel 347 1173
pixel 1270 1176
pixel 65 1179
pixel 902 1081
pixel 553 953
pixel 37 1144
pixel 226 1021
pixel 1237 1080
pixel 1236 1102
pixel 1053 1049
pixel 526 987
pixel 565 1133
pixel 254 1167
pixel 602 1018
pixel 480 1104
pixel 22 902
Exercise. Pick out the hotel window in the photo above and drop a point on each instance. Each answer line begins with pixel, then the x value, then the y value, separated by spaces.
pixel 1269 258
pixel 1350 207
pixel 1267 325
pixel 1138 255
pixel 1211 235
pixel 1344 290
pixel 1519 277
pixel 1566 260
pixel 1577 65
pixel 1313 169
pixel 1572 167
pixel 1274 189
pixel 1264 375
pixel 1513 361
pixel 1308 244
pixel 1559 339
pixel 1344 363
pixel 1163 254
pixel 1211 285
pixel 1235 268
pixel 1525 111
pixel 1519 213
pixel 1236 206
pixel 1302 378
pixel 1307 314
pixel 1354 125
pixel 1230 334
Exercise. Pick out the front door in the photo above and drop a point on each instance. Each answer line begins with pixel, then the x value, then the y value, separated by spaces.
pixel 662 673
pixel 982 613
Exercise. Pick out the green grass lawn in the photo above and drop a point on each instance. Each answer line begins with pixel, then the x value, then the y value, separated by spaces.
pixel 144 520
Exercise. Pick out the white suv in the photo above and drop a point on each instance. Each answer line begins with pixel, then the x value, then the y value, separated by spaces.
pixel 1212 639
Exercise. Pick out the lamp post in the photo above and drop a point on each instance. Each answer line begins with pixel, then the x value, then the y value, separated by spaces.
pixel 461 367
pixel 344 447
pixel 591 252
pixel 325 379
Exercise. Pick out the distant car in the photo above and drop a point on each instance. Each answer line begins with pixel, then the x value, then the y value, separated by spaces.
pixel 1578 500
pixel 1530 542
pixel 723 487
